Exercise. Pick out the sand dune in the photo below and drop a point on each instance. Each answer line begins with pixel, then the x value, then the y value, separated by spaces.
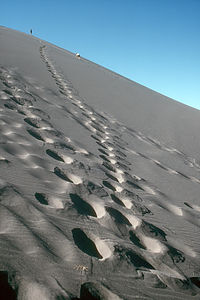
pixel 99 181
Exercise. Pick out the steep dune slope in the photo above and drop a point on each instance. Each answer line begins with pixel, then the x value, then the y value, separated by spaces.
pixel 99 181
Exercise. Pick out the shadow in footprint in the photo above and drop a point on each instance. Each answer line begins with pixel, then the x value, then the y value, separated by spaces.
pixel 111 177
pixel 100 144
pixel 103 152
pixel 117 200
pixel 4 162
pixel 7 84
pixel 7 293
pixel 134 185
pixel 41 198
pixel 82 206
pixel 176 255
pixel 123 160
pixel 132 257
pixel 153 231
pixel 65 145
pixel 123 166
pixel 32 122
pixel 195 281
pixel 183 175
pixel 35 134
pixel 95 189
pixel 142 209
pixel 121 153
pixel 135 240
pixel 97 127
pixel 118 216
pixel 120 146
pixel 61 174
pixel 7 92
pixel 39 112
pixel 104 158
pixel 109 166
pixel 10 106
pixel 54 155
pixel 96 138
pixel 108 185
pixel 22 101
pixel 187 204
pixel 84 243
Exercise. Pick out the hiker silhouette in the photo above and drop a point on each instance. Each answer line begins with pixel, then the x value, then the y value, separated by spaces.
pixel 31 31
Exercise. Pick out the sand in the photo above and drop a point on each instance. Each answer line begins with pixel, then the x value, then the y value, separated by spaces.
pixel 99 181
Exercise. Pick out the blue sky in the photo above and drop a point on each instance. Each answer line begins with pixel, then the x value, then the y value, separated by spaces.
pixel 153 42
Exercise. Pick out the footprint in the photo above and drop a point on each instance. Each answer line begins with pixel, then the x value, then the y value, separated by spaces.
pixel 10 196
pixel 159 165
pixel 195 281
pixel 119 146
pixel 95 189
pixel 142 209
pixel 187 204
pixel 4 162
pixel 35 134
pixel 98 128
pixel 33 122
pixel 66 146
pixel 132 257
pixel 134 185
pixel 117 216
pixel 95 290
pixel 96 138
pixel 85 244
pixel 109 185
pixel 41 198
pixel 121 153
pixel 109 166
pixel 122 160
pixel 104 158
pixel 103 152
pixel 10 105
pixel 54 155
pixel 153 231
pixel 117 200
pixel 7 92
pixel 22 101
pixel 183 175
pixel 111 177
pixel 135 240
pixel 101 144
pixel 143 155
pixel 8 85
pixel 39 112
pixel 82 206
pixel 176 255
pixel 62 175
pixel 123 166
pixel 7 291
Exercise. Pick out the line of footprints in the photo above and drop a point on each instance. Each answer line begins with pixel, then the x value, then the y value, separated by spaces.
pixel 99 186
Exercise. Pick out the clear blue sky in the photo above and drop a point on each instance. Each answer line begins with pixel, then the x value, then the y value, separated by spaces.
pixel 153 42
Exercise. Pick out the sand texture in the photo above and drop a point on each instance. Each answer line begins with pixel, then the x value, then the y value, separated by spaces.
pixel 99 181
